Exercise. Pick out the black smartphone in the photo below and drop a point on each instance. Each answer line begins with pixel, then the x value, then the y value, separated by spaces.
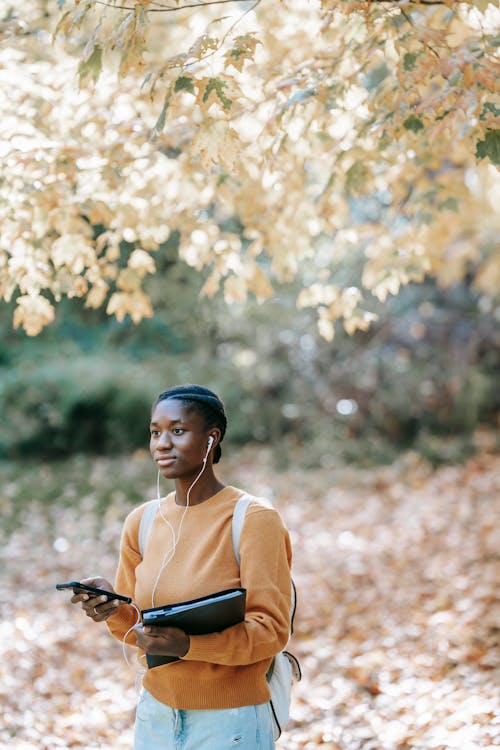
pixel 92 590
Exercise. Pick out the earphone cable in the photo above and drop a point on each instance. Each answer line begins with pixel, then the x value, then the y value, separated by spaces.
pixel 166 560
pixel 171 552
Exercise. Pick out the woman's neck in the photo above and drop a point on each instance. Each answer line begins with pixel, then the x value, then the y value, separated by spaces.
pixel 206 486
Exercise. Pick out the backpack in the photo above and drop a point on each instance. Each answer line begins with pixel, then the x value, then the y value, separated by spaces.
pixel 284 668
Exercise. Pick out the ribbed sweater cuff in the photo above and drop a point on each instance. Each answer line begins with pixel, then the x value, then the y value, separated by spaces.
pixel 202 648
pixel 118 624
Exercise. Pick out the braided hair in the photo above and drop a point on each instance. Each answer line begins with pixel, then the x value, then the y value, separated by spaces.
pixel 201 401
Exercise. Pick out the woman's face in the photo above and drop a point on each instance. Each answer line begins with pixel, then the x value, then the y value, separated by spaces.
pixel 179 439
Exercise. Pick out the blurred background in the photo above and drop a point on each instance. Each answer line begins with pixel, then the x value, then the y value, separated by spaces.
pixel 380 449
pixel 423 378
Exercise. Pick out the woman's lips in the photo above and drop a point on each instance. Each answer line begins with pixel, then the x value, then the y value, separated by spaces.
pixel 165 460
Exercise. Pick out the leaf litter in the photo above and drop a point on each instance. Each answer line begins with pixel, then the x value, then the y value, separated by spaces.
pixel 397 628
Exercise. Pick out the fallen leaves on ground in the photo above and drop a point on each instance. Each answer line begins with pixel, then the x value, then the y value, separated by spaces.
pixel 397 628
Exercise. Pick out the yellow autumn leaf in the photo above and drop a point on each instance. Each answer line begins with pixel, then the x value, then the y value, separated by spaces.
pixel 258 283
pixel 211 285
pixel 136 304
pixel 79 287
pixel 27 268
pixel 112 250
pixel 216 144
pixel 235 289
pixel 73 251
pixel 141 262
pixel 33 313
pixel 97 294
pixel 100 213
pixel 389 284
pixel 325 326
pixel 361 320
pixel 128 280
pixel 243 50
pixel 488 276
pixel 318 294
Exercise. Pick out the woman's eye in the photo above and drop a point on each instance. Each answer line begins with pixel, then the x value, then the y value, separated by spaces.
pixel 178 431
pixel 155 433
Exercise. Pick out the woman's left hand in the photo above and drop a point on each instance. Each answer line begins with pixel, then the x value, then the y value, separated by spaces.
pixel 162 640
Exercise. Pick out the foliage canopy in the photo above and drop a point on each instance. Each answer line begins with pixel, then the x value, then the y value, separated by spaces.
pixel 277 139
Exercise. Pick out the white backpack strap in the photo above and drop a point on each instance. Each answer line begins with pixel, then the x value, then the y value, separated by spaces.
pixel 239 513
pixel 146 524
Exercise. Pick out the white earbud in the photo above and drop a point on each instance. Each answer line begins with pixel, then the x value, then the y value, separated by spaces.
pixel 209 445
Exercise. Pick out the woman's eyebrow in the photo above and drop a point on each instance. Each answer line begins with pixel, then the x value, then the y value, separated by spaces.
pixel 172 421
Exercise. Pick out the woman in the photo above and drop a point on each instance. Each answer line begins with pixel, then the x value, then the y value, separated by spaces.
pixel 215 695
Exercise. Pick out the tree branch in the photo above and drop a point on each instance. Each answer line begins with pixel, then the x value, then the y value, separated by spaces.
pixel 172 9
pixel 235 23
pixel 410 21
pixel 169 8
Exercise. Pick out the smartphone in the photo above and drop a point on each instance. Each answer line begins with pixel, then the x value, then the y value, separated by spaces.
pixel 92 590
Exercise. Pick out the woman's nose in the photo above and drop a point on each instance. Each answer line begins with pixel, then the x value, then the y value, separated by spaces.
pixel 165 440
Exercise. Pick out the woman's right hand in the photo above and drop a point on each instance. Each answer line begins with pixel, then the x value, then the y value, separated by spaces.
pixel 98 608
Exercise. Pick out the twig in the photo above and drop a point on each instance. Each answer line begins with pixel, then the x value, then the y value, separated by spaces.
pixel 169 8
pixel 214 52
pixel 410 21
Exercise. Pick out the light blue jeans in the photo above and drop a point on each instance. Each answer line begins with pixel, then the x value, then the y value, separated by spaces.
pixel 159 727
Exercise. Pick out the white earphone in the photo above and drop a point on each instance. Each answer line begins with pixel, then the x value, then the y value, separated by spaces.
pixel 176 536
pixel 209 445
pixel 171 551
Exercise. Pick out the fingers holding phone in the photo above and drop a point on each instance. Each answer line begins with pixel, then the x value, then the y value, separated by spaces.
pixel 89 592
pixel 99 608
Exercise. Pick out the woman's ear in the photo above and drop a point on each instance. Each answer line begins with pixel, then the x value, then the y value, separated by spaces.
pixel 214 437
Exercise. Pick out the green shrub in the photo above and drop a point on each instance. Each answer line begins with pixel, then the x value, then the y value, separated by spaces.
pixel 88 404
pixel 427 369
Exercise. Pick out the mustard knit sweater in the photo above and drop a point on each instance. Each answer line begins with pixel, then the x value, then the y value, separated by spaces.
pixel 220 670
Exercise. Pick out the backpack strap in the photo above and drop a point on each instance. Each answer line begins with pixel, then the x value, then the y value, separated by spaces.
pixel 146 524
pixel 239 513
